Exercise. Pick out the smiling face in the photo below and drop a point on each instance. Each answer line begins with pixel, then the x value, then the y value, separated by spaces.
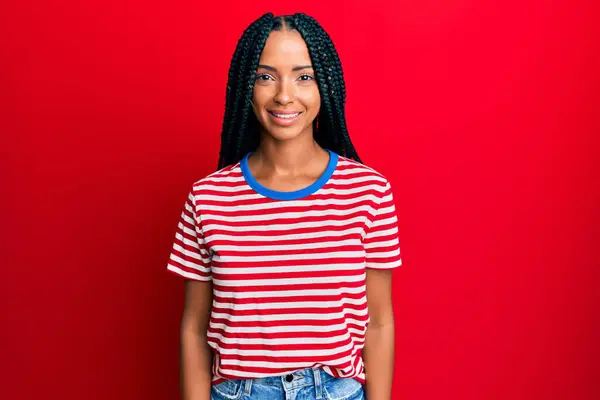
pixel 286 97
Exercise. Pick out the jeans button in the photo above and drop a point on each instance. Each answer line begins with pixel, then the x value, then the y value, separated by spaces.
pixel 289 377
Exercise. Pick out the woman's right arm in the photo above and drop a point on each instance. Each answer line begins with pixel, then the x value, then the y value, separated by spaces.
pixel 196 355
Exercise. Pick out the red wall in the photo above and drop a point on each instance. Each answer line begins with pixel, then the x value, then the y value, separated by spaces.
pixel 485 118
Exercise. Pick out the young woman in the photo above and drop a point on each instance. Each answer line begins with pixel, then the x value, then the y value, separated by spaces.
pixel 282 246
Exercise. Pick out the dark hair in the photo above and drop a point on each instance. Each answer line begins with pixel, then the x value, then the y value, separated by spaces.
pixel 240 131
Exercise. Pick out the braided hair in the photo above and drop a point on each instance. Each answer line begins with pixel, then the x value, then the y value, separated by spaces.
pixel 240 131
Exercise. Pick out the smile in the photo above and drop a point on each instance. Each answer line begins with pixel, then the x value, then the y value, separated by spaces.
pixel 285 116
pixel 286 119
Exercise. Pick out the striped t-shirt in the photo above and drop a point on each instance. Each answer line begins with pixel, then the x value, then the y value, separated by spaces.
pixel 287 268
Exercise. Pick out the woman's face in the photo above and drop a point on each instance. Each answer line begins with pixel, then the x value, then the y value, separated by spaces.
pixel 286 97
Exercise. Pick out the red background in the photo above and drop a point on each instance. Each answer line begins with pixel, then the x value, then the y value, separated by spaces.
pixel 484 117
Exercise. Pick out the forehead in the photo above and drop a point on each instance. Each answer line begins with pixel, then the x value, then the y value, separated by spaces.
pixel 285 49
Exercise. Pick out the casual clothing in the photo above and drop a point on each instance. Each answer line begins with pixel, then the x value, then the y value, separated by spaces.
pixel 288 268
pixel 305 384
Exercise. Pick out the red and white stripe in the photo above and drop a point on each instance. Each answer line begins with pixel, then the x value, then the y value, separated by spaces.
pixel 288 275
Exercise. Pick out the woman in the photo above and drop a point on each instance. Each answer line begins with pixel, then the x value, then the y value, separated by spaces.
pixel 284 243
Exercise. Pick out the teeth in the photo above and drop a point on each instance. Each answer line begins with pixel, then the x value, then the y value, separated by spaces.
pixel 286 115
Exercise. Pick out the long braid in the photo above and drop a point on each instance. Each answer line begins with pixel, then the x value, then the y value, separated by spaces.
pixel 230 109
pixel 238 89
pixel 240 131
pixel 333 90
pixel 247 75
pixel 318 56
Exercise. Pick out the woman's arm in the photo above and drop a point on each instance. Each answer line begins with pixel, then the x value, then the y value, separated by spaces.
pixel 196 355
pixel 378 352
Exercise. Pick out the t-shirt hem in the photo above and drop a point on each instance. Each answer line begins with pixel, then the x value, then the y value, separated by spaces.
pixel 188 275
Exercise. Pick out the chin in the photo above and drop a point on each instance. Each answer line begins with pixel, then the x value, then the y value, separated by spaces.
pixel 284 133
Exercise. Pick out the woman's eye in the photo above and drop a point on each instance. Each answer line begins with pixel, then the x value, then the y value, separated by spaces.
pixel 305 77
pixel 261 76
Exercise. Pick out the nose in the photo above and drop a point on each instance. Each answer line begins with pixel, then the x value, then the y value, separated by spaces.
pixel 285 92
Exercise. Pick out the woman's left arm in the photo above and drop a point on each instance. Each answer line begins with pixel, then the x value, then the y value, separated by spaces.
pixel 378 353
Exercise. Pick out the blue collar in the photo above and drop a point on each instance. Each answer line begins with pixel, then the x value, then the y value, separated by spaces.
pixel 295 195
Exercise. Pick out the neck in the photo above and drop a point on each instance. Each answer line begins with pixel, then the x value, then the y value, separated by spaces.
pixel 287 157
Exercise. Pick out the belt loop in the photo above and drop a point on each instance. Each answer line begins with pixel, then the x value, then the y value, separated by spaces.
pixel 318 385
pixel 248 387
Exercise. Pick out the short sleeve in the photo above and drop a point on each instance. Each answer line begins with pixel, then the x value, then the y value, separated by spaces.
pixel 381 241
pixel 190 257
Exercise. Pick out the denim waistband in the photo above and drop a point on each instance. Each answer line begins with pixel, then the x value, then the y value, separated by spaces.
pixel 304 377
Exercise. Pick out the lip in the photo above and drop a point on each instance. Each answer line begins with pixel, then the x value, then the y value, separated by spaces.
pixel 284 121
pixel 284 112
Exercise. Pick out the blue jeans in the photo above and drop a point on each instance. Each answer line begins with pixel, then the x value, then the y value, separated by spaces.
pixel 306 384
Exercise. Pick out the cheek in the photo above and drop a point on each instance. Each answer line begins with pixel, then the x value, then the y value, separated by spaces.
pixel 259 98
pixel 312 100
pixel 316 105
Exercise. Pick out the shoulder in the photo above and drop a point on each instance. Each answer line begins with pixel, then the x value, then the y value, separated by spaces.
pixel 225 174
pixel 212 185
pixel 367 175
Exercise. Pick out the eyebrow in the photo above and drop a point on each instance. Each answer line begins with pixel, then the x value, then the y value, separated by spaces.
pixel 298 68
